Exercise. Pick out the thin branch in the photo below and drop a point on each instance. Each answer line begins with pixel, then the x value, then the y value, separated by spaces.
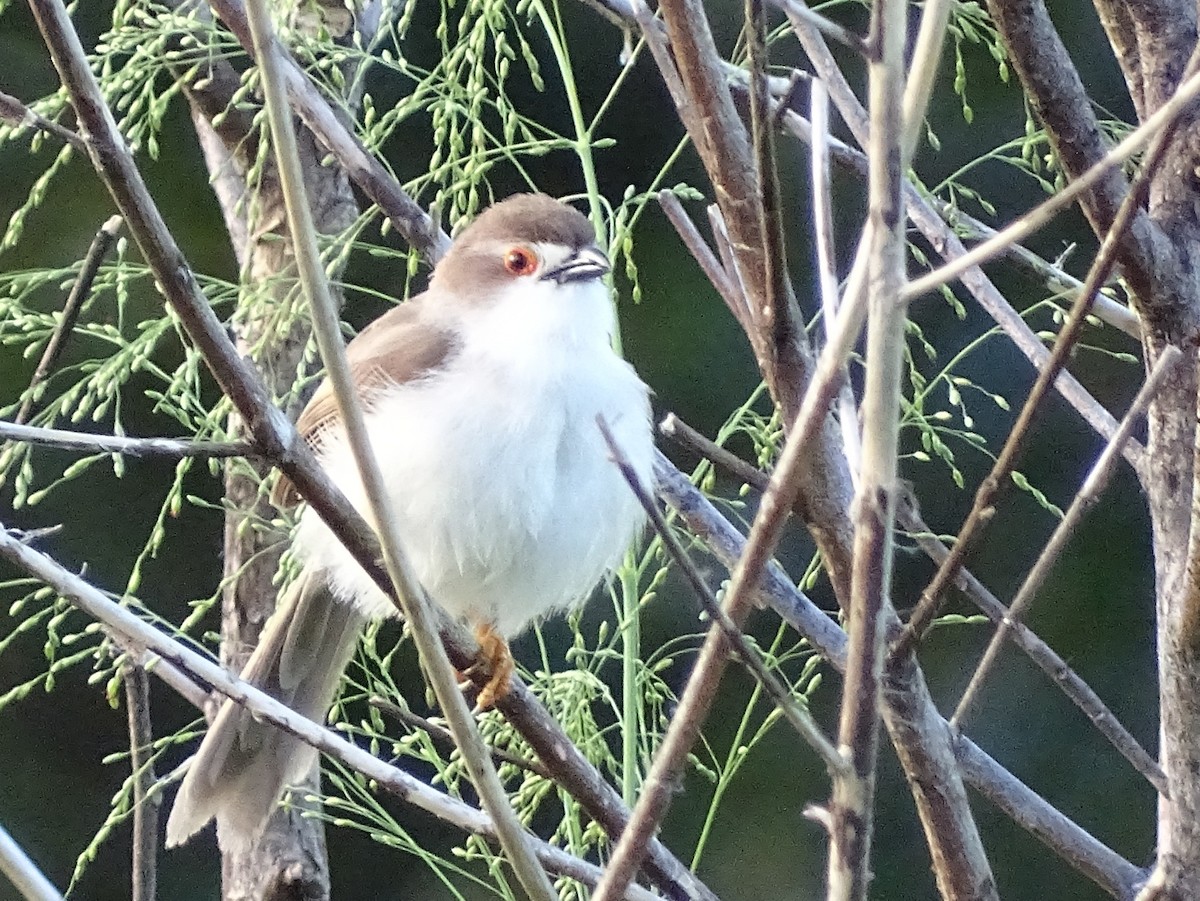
pixel 1078 848
pixel 659 785
pixel 852 807
pixel 826 26
pixel 1089 494
pixel 712 268
pixel 278 439
pixel 798 717
pixel 445 737
pixel 414 604
pixel 421 232
pixel 135 631
pixel 80 291
pixel 907 516
pixel 1045 657
pixel 822 214
pixel 1108 310
pixel 989 490
pixel 168 448
pixel 145 801
pixel 947 244
pixel 17 114
pixel 23 872
pixel 1042 214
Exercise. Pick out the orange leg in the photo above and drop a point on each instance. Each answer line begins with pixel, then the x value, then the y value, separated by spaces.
pixel 495 651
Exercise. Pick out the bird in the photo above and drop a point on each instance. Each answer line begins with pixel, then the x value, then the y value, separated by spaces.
pixel 482 398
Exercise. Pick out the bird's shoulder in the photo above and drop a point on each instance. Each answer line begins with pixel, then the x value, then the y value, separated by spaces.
pixel 401 346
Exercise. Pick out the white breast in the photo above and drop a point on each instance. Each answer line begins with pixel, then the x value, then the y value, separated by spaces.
pixel 508 503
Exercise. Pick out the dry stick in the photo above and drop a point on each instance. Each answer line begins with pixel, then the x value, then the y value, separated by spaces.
pixel 851 809
pixel 1044 212
pixel 135 631
pixel 703 255
pixel 1106 308
pixel 798 717
pixel 145 802
pixel 418 229
pixel 1077 847
pixel 170 448
pixel 18 114
pixel 446 737
pixel 23 873
pixel 1045 657
pixel 949 247
pixel 827 27
pixel 989 490
pixel 277 438
pixel 773 510
pixel 80 291
pixel 1060 672
pixel 701 688
pixel 1093 486
pixel 822 213
pixel 854 115
pixel 414 603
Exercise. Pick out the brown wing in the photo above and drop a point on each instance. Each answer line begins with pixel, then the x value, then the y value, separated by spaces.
pixel 398 347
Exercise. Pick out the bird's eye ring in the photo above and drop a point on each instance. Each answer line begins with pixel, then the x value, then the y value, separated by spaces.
pixel 520 261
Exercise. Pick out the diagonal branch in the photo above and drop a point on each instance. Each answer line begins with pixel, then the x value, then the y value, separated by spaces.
pixel 23 873
pixel 1093 486
pixel 421 232
pixel 1044 656
pixel 991 487
pixel 139 634
pixel 1117 876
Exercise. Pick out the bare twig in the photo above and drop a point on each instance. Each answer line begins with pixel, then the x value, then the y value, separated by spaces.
pixel 989 490
pixel 446 738
pixel 826 26
pixel 414 604
pixel 853 799
pixel 137 632
pixel 1079 849
pixel 950 247
pixel 1040 215
pixel 421 232
pixel 712 268
pixel 16 113
pixel 1090 492
pixel 1079 692
pixel 145 802
pixel 1044 656
pixel 23 872
pixel 822 205
pixel 80 290
pixel 169 448
pixel 701 688
pixel 798 717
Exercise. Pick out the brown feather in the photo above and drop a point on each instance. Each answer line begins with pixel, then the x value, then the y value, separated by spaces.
pixel 399 347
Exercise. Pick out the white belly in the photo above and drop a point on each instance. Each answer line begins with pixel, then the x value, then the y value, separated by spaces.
pixel 507 501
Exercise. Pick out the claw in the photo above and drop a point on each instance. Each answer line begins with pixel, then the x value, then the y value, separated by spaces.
pixel 495 651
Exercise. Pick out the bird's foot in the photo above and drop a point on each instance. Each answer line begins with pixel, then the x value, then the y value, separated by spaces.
pixel 494 651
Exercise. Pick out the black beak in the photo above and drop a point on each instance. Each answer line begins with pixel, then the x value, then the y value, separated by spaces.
pixel 586 263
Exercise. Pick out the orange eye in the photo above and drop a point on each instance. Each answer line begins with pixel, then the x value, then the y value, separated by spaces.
pixel 520 261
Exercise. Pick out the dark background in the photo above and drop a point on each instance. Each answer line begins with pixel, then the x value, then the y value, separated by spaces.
pixel 1097 610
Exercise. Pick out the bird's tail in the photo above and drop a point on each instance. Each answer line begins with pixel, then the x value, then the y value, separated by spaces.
pixel 243 764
